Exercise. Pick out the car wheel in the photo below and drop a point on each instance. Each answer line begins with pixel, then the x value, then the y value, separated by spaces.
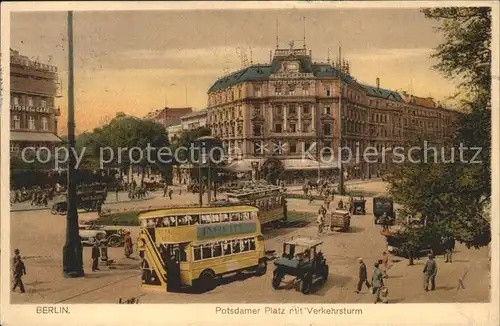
pixel 277 277
pixel 207 281
pixel 306 284
pixel 326 271
pixel 114 242
pixel 262 268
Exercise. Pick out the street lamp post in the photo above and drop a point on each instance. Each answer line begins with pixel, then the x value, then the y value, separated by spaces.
pixel 72 250
pixel 341 131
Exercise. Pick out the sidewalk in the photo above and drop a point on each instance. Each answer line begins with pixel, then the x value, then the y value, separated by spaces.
pixel 122 198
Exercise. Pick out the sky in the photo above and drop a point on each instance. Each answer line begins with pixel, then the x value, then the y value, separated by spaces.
pixel 138 61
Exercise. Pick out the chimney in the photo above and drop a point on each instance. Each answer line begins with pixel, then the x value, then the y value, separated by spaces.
pixel 378 82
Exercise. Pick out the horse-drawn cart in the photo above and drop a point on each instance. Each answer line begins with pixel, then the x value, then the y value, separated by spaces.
pixel 340 219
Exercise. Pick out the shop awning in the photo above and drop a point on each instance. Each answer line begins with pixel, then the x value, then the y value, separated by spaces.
pixel 308 164
pixel 34 137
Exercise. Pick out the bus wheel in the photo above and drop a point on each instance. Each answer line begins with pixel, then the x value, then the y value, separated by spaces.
pixel 262 268
pixel 207 280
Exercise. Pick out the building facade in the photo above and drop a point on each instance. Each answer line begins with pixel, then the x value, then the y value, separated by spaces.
pixel 33 113
pixel 194 120
pixel 168 116
pixel 284 119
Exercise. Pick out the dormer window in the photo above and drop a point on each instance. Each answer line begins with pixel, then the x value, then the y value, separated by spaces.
pixel 292 67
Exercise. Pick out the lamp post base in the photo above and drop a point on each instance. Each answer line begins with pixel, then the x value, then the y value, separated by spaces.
pixel 73 261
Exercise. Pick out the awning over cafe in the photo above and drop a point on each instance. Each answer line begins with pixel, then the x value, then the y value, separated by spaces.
pixel 34 137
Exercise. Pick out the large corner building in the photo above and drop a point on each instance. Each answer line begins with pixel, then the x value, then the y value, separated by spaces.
pixel 269 115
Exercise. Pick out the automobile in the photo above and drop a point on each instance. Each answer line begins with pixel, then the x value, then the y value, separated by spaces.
pixel 303 260
pixel 396 239
pixel 88 237
pixel 115 236
pixel 383 205
pixel 340 219
pixel 357 206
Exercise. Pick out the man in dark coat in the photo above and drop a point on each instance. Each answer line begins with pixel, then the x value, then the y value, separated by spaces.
pixel 19 271
pixel 96 253
pixel 363 276
pixel 430 271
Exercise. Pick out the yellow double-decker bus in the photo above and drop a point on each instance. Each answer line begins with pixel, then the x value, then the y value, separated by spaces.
pixel 271 201
pixel 192 247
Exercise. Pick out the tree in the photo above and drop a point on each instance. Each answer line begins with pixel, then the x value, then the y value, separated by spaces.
pixel 454 197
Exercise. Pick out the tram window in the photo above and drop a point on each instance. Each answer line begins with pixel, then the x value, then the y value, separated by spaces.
pixel 189 220
pixel 217 249
pixel 206 251
pixel 181 220
pixel 150 223
pixel 236 246
pixel 144 223
pixel 246 245
pixel 205 219
pixel 166 222
pixel 173 221
pixel 254 215
pixel 227 248
pixel 235 217
pixel 197 252
pixel 252 244
pixel 195 220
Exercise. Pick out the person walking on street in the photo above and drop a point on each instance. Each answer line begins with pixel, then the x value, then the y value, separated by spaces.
pixel 128 245
pixel 117 189
pixel 170 192
pixel 363 276
pixel 17 253
pixel 165 189
pixel 19 272
pixel 320 223
pixel 96 253
pixel 385 262
pixel 378 284
pixel 430 271
pixel 311 198
pixel 449 246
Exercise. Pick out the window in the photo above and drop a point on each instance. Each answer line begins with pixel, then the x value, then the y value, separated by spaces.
pixel 305 91
pixel 45 124
pixel 257 130
pixel 328 110
pixel 278 110
pixel 278 90
pixel 256 110
pixel 306 127
pixel 257 91
pixel 293 148
pixel 30 101
pixel 257 148
pixel 328 91
pixel 16 122
pixel 305 109
pixel 293 127
pixel 327 129
pixel 291 109
pixel 15 101
pixel 277 128
pixel 31 123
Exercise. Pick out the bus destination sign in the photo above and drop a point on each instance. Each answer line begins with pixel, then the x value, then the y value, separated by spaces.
pixel 214 231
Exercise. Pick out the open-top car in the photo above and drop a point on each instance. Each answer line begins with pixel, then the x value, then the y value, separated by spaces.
pixel 358 206
pixel 303 260
pixel 115 236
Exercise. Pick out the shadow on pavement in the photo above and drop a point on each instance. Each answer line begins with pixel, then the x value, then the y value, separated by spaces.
pixel 338 280
pixel 356 229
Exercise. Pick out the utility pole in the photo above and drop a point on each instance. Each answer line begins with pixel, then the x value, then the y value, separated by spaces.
pixel 72 250
pixel 341 131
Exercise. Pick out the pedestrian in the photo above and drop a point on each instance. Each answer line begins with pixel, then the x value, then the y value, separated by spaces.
pixel 449 246
pixel 170 192
pixel 311 198
pixel 327 202
pixel 165 189
pixel 19 272
pixel 385 262
pixel 128 244
pixel 96 253
pixel 363 276
pixel 117 189
pixel 320 223
pixel 17 253
pixel 378 284
pixel 430 271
